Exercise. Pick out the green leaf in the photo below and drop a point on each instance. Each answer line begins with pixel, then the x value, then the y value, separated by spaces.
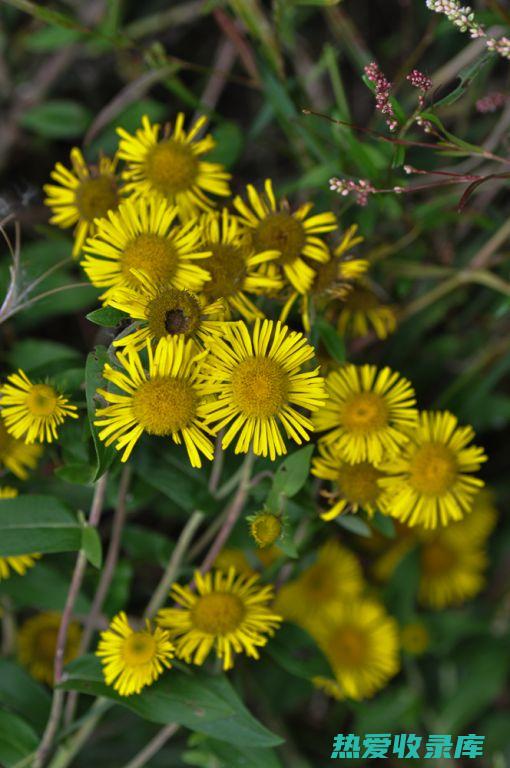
pixel 354 524
pixel 384 525
pixel 396 709
pixel 22 694
pixel 94 379
pixel 108 317
pixel 296 651
pixel 204 703
pixel 229 144
pixel 208 752
pixel 17 739
pixel 58 119
pixel 41 357
pixel 37 523
pixel 466 76
pixel 330 338
pixel 91 545
pixel 293 472
pixel 50 39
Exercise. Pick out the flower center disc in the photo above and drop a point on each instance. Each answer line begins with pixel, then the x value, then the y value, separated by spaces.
pixel 45 644
pixel 348 646
pixel 164 405
pixel 437 559
pixel 41 400
pixel 365 412
pixel 96 196
pixel 154 254
pixel 173 312
pixel 433 469
pixel 227 267
pixel 171 167
pixel 358 482
pixel 259 387
pixel 281 232
pixel 318 584
pixel 139 648
pixel 218 613
pixel 266 529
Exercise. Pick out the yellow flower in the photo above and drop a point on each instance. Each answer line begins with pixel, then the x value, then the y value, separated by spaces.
pixel 32 412
pixel 165 311
pixel 143 235
pixel 362 312
pixel 7 492
pixel 171 166
pixel 414 638
pixel 335 576
pixel 361 643
pixel 16 455
pixel 431 483
pixel 163 402
pixel 355 485
pixel 259 385
pixel 230 614
pixel 37 643
pixel 17 563
pixel 234 264
pixel 131 659
pixel 265 528
pixel 82 195
pixel 368 414
pixel 452 570
pixel 293 235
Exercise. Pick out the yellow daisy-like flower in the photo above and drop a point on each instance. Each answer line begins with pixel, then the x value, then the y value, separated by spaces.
pixel 145 235
pixel 335 576
pixel 171 165
pixel 234 265
pixel 16 455
pixel 17 563
pixel 451 570
pixel 414 638
pixel 293 234
pixel 230 613
pixel 356 486
pixel 164 401
pixel 37 643
pixel 265 528
pixel 368 414
pixel 259 384
pixel 81 195
pixel 431 482
pixel 333 280
pixel 362 312
pixel 477 526
pixel 131 659
pixel 165 311
pixel 361 643
pixel 32 412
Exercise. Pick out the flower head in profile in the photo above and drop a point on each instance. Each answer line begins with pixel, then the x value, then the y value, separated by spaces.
pixel 165 311
pixel 361 643
pixel 229 613
pixel 133 659
pixel 144 237
pixel 14 563
pixel 433 482
pixel 335 576
pixel 163 401
pixel 15 455
pixel 293 234
pixel 32 412
pixel 235 265
pixel 171 165
pixel 82 194
pixel 355 486
pixel 258 383
pixel 368 414
pixel 362 312
pixel 37 643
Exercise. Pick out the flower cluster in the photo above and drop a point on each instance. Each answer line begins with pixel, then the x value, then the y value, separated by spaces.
pixel 382 94
pixel 463 17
